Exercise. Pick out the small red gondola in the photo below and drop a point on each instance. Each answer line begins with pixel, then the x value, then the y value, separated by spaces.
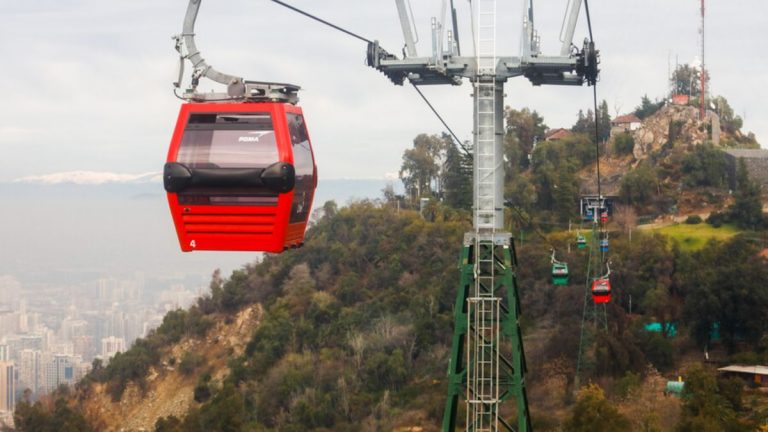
pixel 240 176
pixel 601 290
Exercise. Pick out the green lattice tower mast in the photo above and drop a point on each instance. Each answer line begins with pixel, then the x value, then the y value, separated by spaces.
pixel 506 344
pixel 487 365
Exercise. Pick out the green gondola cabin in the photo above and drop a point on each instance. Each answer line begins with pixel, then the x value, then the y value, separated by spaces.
pixel 559 273
pixel 581 242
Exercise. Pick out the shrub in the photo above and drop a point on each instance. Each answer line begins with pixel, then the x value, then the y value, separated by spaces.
pixel 693 220
pixel 202 392
pixel 716 219
pixel 190 362
pixel 624 143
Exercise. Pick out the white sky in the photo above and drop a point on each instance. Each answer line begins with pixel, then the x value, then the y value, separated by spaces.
pixel 86 84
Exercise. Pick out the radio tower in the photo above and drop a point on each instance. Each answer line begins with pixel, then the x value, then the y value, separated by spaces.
pixel 703 73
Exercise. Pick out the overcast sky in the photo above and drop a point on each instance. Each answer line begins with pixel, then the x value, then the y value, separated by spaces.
pixel 86 84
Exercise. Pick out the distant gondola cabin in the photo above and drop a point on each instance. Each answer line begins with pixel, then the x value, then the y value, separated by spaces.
pixel 588 216
pixel 559 273
pixel 240 176
pixel 581 242
pixel 601 290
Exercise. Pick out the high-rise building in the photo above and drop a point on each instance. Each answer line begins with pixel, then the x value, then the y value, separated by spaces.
pixel 72 328
pixel 7 386
pixel 60 369
pixel 9 321
pixel 31 369
pixel 111 345
pixel 83 347
pixel 116 322
pixel 15 343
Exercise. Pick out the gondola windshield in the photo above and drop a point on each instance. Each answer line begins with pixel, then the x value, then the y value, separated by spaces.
pixel 228 141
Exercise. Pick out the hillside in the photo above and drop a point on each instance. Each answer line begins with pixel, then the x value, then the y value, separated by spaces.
pixel 168 389
pixel 351 333
pixel 351 320
pixel 661 139
pixel 684 162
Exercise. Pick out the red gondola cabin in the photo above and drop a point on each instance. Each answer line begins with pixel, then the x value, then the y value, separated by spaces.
pixel 601 290
pixel 240 176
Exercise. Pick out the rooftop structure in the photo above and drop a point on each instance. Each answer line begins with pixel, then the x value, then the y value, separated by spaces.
pixel 759 373
pixel 756 162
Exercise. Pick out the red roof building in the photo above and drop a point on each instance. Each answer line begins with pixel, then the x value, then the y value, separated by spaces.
pixel 557 134
pixel 625 123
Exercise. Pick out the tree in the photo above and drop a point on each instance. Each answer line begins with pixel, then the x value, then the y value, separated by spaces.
pixel 644 271
pixel 521 193
pixel 648 108
pixel 704 408
pixel 705 166
pixel 726 285
pixel 638 186
pixel 524 128
pixel 593 413
pixel 624 143
pixel 625 217
pixel 39 418
pixel 747 208
pixel 457 178
pixel 585 124
pixel 330 209
pixel 685 80
pixel 421 165
pixel 604 122
pixel 555 179
pixel 728 120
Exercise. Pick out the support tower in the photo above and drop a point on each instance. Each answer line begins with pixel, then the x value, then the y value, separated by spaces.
pixel 487 364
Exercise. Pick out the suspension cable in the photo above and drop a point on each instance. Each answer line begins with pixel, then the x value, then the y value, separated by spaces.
pixel 528 220
pixel 594 98
pixel 357 36
pixel 458 141
pixel 589 20
pixel 309 15
pixel 582 336
pixel 601 226
pixel 597 143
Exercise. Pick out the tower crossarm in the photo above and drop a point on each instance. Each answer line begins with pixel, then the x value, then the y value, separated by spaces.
pixel 575 69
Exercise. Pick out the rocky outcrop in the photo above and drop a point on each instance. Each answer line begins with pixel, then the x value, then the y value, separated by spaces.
pixel 167 391
pixel 654 132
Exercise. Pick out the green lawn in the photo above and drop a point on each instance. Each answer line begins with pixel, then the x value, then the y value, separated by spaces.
pixel 694 237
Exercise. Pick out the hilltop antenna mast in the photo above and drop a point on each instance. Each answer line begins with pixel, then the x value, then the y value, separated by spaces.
pixel 487 365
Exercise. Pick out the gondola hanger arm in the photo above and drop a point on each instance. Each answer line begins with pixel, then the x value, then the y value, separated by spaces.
pixel 237 87
pixel 185 44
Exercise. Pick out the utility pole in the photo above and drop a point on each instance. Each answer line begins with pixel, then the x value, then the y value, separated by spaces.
pixel 487 364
